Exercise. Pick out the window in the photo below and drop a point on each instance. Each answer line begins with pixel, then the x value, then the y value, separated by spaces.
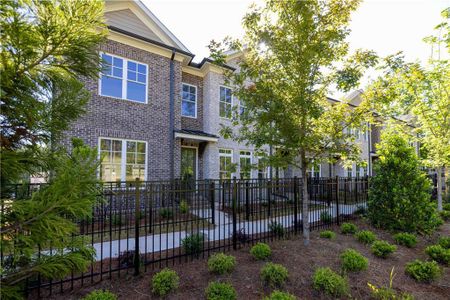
pixel 122 160
pixel 115 82
pixel 225 102
pixel 189 101
pixel 262 169
pixel 363 171
pixel 314 171
pixel 225 162
pixel 241 107
pixel 245 164
pixel 349 172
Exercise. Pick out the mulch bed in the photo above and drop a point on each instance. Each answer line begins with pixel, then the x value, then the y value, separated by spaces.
pixel 301 262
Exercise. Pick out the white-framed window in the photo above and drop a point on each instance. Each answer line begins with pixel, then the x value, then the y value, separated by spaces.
pixel 242 107
pixel 362 171
pixel 349 172
pixel 122 160
pixel 189 100
pixel 225 162
pixel 262 169
pixel 123 78
pixel 245 164
pixel 315 171
pixel 225 102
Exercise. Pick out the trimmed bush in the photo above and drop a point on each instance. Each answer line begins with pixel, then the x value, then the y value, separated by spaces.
pixel 439 254
pixel 276 229
pixel 184 207
pixel 400 203
pixel 327 234
pixel 192 244
pixel 445 215
pixel 352 260
pixel 382 249
pixel 261 251
pixel 423 271
pixel 100 295
pixel 220 263
pixel 277 295
pixel 366 237
pixel 405 239
pixel 220 291
pixel 348 228
pixel 166 213
pixel 164 282
pixel 326 217
pixel 330 283
pixel 274 275
pixel 444 241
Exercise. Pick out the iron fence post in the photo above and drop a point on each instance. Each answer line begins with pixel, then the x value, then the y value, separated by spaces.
pixel 247 202
pixel 337 200
pixel 269 191
pixel 356 188
pixel 295 204
pixel 213 204
pixel 137 211
pixel 233 205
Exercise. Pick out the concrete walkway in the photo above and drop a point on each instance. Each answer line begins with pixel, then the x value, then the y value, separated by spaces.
pixel 223 230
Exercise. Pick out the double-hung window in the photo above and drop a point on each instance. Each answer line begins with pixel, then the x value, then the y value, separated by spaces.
pixel 314 172
pixel 225 162
pixel 349 172
pixel 123 78
pixel 245 164
pixel 189 101
pixel 225 102
pixel 122 160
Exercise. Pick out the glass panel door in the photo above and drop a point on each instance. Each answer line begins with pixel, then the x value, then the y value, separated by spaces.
pixel 188 163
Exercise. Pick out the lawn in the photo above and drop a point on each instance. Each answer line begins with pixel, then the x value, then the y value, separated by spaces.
pixel 301 263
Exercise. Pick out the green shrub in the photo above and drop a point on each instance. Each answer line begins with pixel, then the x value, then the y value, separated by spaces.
pixel 220 291
pixel 326 217
pixel 331 283
pixel 277 295
pixel 366 237
pixel 220 263
pixel 348 228
pixel 184 207
pixel 165 213
pixel 192 244
pixel 423 271
pixel 444 241
pixel 100 295
pixel 382 249
pixel 261 251
pixel 360 210
pixel 164 282
pixel 445 215
pixel 352 260
pixel 446 206
pixel 439 254
pixel 274 275
pixel 327 234
pixel 276 229
pixel 406 239
pixel 117 220
pixel 400 203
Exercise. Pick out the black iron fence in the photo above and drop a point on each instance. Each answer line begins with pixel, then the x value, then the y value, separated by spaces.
pixel 140 225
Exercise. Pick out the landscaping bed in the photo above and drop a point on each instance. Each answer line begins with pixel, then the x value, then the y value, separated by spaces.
pixel 301 263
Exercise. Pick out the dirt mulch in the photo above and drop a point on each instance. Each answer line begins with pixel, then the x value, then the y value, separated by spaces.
pixel 301 262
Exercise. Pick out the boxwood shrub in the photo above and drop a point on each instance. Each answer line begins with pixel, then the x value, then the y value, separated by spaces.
pixel 352 260
pixel 220 263
pixel 423 271
pixel 220 291
pixel 330 283
pixel 100 295
pixel 406 239
pixel 366 237
pixel 278 295
pixel 326 217
pixel 444 241
pixel 439 254
pixel 382 249
pixel 192 244
pixel 327 234
pixel 164 282
pixel 274 275
pixel 348 228
pixel 261 251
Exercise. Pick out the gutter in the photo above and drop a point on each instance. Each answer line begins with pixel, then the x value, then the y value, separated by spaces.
pixel 172 116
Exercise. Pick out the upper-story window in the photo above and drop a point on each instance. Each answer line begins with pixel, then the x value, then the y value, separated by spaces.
pixel 225 102
pixel 225 163
pixel 189 101
pixel 123 78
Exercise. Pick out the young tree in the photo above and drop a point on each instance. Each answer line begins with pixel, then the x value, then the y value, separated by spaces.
pixel 294 51
pixel 47 46
pixel 424 93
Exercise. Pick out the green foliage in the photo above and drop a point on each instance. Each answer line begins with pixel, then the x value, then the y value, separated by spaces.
pixel 192 244
pixel 164 282
pixel 406 239
pixel 366 237
pixel 278 295
pixel 439 254
pixel 361 210
pixel 220 291
pixel 382 249
pixel 277 229
pixel 423 271
pixel 446 206
pixel 261 251
pixel 352 260
pixel 184 207
pixel 395 202
pixel 327 234
pixel 274 275
pixel 444 241
pixel 166 213
pixel 388 293
pixel 348 228
pixel 100 295
pixel 220 263
pixel 117 220
pixel 445 215
pixel 326 217
pixel 331 283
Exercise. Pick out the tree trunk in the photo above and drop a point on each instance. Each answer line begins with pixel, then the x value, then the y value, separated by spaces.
pixel 305 198
pixel 439 187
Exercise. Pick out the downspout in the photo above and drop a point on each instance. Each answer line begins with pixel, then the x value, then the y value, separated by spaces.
pixel 172 117
pixel 369 147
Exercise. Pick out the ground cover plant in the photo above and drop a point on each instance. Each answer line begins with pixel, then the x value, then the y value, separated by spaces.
pixel 278 295
pixel 274 275
pixel 352 260
pixel 261 251
pixel 382 248
pixel 348 228
pixel 327 234
pixel 221 263
pixel 165 282
pixel 423 271
pixel 406 239
pixel 331 283
pixel 444 241
pixel 439 254
pixel 100 295
pixel 366 237
pixel 388 293
pixel 220 291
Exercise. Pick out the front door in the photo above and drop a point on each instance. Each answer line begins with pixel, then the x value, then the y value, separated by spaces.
pixel 188 163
